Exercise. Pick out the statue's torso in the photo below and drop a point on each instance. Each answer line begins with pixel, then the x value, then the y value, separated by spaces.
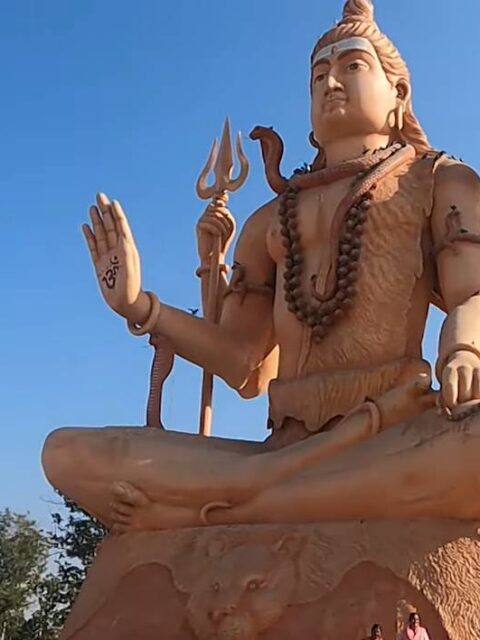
pixel 386 323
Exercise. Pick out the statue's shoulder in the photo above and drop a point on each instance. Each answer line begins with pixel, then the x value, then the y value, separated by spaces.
pixel 450 172
pixel 261 219
pixel 456 198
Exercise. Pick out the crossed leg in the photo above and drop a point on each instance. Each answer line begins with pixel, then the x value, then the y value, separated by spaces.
pixel 428 468
pixel 131 475
pixel 150 479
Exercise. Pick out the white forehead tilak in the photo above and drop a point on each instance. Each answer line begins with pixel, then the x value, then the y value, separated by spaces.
pixel 361 44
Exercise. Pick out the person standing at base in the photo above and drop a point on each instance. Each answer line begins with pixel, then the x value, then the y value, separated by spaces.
pixel 376 633
pixel 414 630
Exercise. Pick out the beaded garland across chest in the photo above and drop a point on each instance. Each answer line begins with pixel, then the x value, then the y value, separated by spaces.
pixel 320 312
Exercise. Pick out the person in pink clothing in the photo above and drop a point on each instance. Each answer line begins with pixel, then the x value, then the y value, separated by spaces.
pixel 414 630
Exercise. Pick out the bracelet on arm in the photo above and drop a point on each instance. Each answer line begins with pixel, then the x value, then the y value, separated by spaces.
pixel 149 324
pixel 206 268
pixel 460 346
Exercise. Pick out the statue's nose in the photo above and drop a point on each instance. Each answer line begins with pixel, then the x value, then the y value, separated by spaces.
pixel 219 613
pixel 333 83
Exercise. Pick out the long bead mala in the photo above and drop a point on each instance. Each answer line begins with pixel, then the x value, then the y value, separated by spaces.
pixel 318 312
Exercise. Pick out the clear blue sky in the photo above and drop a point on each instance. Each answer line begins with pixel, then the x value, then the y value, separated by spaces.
pixel 125 97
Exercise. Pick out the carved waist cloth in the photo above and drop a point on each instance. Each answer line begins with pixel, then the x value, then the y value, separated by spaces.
pixel 315 399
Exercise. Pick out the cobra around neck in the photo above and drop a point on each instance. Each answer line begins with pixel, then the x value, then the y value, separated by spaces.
pixel 341 150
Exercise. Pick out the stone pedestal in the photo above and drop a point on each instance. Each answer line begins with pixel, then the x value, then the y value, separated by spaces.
pixel 328 581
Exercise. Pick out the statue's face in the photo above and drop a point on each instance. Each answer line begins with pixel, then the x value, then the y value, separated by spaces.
pixel 351 94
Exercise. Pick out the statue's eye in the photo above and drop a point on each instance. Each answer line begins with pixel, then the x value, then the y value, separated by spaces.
pixel 255 583
pixel 320 77
pixel 354 66
pixel 215 587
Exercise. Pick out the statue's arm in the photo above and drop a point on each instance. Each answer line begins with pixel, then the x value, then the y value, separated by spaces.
pixel 456 235
pixel 235 348
pixel 248 302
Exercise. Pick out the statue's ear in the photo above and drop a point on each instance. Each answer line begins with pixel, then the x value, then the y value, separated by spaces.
pixel 404 90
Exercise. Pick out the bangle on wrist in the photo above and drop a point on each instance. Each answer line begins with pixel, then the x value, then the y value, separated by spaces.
pixel 141 329
pixel 444 359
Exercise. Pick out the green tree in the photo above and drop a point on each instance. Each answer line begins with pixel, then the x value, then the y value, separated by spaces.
pixel 73 543
pixel 34 601
pixel 23 558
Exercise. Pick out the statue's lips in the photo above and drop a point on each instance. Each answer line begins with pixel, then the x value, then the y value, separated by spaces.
pixel 334 100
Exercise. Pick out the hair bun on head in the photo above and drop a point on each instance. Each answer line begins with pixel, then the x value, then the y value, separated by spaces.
pixel 358 10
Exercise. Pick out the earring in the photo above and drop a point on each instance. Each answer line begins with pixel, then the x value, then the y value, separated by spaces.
pixel 395 118
pixel 399 117
pixel 313 142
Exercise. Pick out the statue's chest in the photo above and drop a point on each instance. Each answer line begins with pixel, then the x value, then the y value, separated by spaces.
pixel 315 214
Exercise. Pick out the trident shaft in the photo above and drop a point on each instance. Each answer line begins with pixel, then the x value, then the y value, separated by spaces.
pixel 220 160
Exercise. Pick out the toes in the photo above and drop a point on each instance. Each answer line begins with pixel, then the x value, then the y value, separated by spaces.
pixel 120 518
pixel 122 491
pixel 119 508
pixel 128 494
pixel 119 529
pixel 422 383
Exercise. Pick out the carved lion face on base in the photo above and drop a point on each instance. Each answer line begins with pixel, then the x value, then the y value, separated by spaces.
pixel 242 591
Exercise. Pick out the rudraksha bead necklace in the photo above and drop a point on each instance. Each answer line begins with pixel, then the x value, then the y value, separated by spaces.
pixel 320 313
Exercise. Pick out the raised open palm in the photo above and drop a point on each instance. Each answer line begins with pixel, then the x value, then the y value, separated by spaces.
pixel 114 254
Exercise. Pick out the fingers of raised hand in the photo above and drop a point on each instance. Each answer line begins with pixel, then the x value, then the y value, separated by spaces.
pixel 121 221
pixel 110 228
pixel 91 242
pixel 109 225
pixel 103 202
pixel 105 208
pixel 99 230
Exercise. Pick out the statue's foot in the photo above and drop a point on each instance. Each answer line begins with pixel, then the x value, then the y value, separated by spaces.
pixel 403 403
pixel 132 510
pixel 129 508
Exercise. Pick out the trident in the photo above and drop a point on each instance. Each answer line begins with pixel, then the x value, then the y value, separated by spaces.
pixel 221 160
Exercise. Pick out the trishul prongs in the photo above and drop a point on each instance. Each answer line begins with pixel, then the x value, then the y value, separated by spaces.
pixel 220 160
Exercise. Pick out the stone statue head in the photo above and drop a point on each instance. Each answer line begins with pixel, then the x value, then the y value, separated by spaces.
pixel 243 590
pixel 360 85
